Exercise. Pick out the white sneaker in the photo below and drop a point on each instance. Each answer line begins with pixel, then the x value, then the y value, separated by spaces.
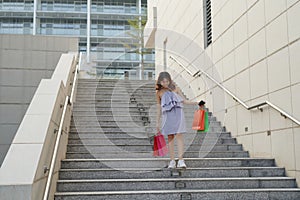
pixel 181 164
pixel 172 164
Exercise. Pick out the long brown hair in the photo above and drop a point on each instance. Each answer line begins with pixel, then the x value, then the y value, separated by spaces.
pixel 161 77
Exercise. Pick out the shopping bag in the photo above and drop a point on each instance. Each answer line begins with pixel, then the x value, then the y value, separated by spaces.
pixel 198 122
pixel 159 145
pixel 206 123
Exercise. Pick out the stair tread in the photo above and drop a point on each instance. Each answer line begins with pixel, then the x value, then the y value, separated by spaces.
pixel 107 152
pixel 183 191
pixel 166 169
pixel 126 138
pixel 90 175
pixel 100 131
pixel 159 159
pixel 175 179
pixel 112 144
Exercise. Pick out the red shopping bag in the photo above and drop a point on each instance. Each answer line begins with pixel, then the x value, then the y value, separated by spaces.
pixel 159 146
pixel 199 117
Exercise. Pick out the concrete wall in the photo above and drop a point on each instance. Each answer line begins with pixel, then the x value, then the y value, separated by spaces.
pixel 24 61
pixel 255 54
pixel 22 174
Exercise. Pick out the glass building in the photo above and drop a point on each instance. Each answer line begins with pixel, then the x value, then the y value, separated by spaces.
pixel 105 35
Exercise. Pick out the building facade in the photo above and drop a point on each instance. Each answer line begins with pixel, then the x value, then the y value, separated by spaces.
pixel 251 48
pixel 101 25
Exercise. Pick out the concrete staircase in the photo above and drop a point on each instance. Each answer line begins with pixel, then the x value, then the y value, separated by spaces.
pixel 110 153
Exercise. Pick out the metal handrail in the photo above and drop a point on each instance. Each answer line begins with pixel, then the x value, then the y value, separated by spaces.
pixel 77 68
pixel 68 101
pixel 199 72
pixel 79 60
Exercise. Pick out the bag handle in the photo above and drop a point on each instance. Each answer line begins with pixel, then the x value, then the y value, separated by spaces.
pixel 158 133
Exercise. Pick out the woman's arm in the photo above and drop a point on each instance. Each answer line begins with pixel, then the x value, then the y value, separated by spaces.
pixel 185 101
pixel 158 106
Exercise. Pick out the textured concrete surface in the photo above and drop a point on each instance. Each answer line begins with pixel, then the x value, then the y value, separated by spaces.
pixel 109 157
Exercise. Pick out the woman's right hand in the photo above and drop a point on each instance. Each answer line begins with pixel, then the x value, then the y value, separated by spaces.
pixel 157 129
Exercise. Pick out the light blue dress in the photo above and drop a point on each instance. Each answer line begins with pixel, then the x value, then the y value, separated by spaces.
pixel 173 120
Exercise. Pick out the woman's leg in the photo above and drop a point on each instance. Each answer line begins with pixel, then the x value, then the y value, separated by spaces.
pixel 180 143
pixel 171 146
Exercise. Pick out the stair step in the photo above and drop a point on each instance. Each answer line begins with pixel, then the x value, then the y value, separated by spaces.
pixel 129 109
pixel 108 110
pixel 112 124
pixel 127 93
pixel 100 134
pixel 116 117
pixel 221 194
pixel 133 140
pixel 113 87
pixel 129 173
pixel 115 106
pixel 99 130
pixel 101 141
pixel 128 118
pixel 127 97
pixel 108 121
pixel 97 134
pixel 174 183
pixel 80 105
pixel 110 80
pixel 114 112
pixel 123 98
pixel 112 99
pixel 99 93
pixel 163 162
pixel 136 132
pixel 117 114
pixel 132 82
pixel 110 156
pixel 94 123
pixel 131 106
pixel 145 154
pixel 117 87
pixel 144 147
pixel 132 110
pixel 114 102
pixel 118 84
pixel 116 91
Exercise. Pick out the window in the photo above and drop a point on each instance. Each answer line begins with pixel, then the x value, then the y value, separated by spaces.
pixel 207 23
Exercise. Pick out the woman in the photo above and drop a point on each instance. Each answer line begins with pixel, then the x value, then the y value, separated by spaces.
pixel 170 108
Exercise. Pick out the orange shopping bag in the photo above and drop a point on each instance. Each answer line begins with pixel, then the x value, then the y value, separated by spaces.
pixel 198 123
pixel 159 146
